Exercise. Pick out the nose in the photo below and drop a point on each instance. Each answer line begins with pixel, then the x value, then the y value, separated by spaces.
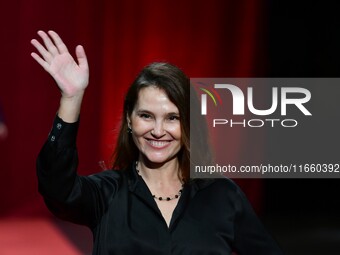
pixel 158 129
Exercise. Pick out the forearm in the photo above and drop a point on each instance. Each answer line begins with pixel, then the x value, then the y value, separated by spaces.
pixel 57 161
pixel 67 195
pixel 69 108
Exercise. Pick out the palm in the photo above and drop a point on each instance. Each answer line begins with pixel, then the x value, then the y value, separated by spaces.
pixel 71 77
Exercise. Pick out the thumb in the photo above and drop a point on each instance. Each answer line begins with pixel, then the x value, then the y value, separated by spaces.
pixel 81 57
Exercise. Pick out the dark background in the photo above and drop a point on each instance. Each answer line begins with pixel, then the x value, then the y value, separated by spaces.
pixel 304 41
pixel 259 38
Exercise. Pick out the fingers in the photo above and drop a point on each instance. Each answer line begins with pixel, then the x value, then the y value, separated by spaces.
pixel 42 62
pixel 51 49
pixel 48 43
pixel 81 56
pixel 58 42
pixel 43 52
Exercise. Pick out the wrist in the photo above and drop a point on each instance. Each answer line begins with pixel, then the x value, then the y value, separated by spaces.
pixel 73 96
pixel 69 108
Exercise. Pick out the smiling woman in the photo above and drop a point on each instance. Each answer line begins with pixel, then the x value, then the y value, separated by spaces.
pixel 149 205
pixel 155 127
pixel 158 132
pixel 157 118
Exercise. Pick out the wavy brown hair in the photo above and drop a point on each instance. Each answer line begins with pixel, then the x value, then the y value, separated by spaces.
pixel 176 85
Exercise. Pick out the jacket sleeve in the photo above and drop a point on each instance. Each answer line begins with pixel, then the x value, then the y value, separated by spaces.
pixel 250 235
pixel 71 197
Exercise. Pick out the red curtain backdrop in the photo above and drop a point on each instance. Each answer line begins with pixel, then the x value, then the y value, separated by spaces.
pixel 205 38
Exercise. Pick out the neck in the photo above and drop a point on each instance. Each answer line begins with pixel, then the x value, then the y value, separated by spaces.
pixel 159 174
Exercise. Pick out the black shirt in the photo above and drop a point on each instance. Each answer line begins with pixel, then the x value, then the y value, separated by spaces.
pixel 212 216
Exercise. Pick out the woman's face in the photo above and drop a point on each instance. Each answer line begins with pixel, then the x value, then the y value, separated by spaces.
pixel 155 125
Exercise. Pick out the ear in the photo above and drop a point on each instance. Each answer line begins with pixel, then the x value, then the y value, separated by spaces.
pixel 128 120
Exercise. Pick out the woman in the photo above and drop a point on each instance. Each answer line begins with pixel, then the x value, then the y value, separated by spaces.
pixel 150 206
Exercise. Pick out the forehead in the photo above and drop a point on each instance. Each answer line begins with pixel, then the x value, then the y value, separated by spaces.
pixel 152 98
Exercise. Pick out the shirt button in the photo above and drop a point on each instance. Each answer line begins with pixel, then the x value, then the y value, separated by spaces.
pixel 52 138
pixel 59 126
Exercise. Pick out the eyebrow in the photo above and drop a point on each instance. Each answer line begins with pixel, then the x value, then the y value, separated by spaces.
pixel 149 112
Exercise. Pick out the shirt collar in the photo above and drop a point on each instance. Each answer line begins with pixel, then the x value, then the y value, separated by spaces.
pixel 140 189
pixel 133 177
pixel 195 184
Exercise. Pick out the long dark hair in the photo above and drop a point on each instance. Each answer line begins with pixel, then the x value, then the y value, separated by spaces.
pixel 176 85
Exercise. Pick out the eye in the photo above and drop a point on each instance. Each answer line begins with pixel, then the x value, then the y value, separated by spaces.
pixel 173 117
pixel 145 116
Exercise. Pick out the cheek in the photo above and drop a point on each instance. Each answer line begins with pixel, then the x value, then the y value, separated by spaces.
pixel 139 130
pixel 175 131
pixel 140 127
pixel 138 140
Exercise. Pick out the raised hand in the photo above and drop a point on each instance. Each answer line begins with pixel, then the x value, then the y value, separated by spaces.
pixel 71 77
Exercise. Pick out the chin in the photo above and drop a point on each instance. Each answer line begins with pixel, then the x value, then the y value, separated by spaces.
pixel 158 159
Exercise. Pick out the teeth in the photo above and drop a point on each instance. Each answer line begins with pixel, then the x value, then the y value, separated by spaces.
pixel 158 143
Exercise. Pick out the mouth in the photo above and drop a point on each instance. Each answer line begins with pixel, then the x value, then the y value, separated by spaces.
pixel 158 144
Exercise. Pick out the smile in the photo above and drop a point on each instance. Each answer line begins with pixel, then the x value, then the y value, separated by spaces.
pixel 158 144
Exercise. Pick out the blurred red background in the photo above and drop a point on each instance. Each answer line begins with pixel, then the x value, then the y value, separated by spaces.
pixel 216 38
pixel 204 38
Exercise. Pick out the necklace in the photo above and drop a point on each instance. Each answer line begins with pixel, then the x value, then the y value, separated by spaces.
pixel 163 198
